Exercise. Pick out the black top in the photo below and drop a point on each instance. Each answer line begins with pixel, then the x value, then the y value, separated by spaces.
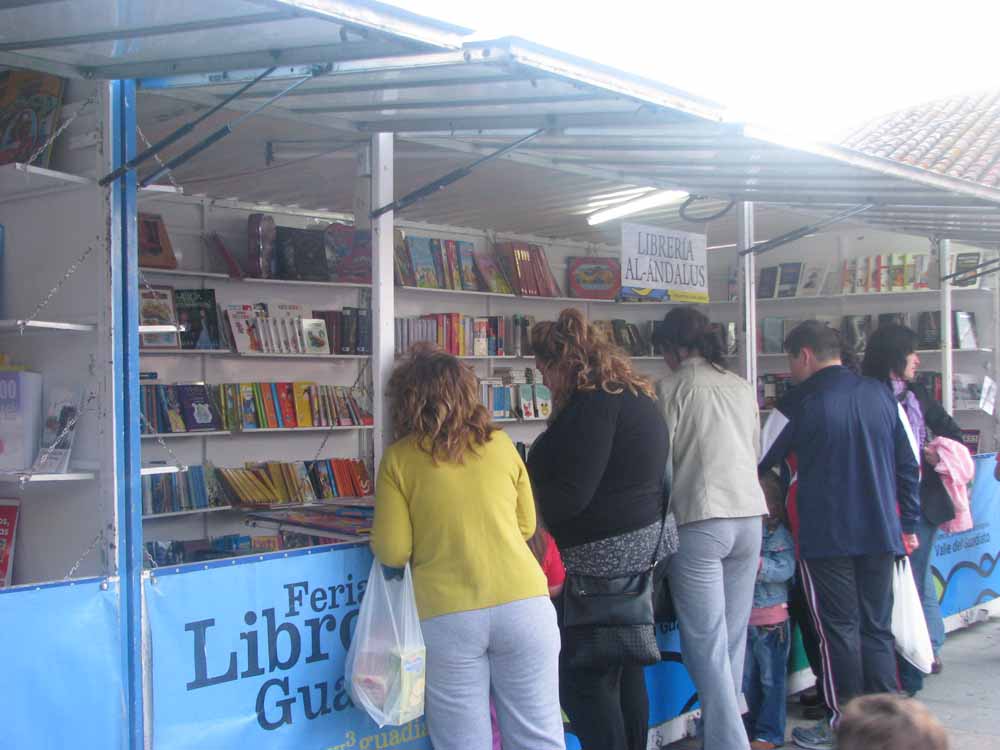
pixel 935 502
pixel 597 471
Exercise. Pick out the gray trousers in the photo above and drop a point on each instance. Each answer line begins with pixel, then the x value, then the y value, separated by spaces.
pixel 512 649
pixel 712 578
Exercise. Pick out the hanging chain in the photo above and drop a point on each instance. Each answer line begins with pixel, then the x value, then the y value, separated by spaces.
pixel 152 560
pixel 59 131
pixel 55 290
pixel 170 174
pixel 45 454
pixel 91 548
pixel 160 441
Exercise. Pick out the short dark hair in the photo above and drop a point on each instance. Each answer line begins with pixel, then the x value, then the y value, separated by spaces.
pixel 889 722
pixel 887 351
pixel 824 341
pixel 691 329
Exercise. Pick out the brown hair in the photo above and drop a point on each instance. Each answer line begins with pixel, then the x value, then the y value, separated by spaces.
pixel 889 722
pixel 435 397
pixel 585 358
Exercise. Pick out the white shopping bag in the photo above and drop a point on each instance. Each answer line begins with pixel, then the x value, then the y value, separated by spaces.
pixel 386 663
pixel 909 627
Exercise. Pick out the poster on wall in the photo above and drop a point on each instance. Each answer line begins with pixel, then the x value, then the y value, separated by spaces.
pixel 663 264
pixel 8 534
pixel 964 565
pixel 250 654
pixel 29 113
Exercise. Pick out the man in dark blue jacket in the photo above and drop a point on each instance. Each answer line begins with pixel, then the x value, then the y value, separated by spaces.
pixel 858 507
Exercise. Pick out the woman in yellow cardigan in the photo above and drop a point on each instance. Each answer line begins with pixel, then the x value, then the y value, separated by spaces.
pixel 454 500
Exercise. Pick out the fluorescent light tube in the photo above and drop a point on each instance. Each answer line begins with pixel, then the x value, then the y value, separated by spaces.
pixel 646 202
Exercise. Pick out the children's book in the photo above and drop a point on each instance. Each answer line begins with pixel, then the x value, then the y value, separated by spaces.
pixel 156 307
pixel 424 266
pixel 198 316
pixel 63 404
pixel 9 508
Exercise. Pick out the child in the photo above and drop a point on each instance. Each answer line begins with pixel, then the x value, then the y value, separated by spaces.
pixel 889 722
pixel 768 636
pixel 544 548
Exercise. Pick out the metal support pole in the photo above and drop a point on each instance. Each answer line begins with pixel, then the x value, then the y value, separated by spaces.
pixel 383 291
pixel 994 342
pixel 119 148
pixel 748 296
pixel 947 393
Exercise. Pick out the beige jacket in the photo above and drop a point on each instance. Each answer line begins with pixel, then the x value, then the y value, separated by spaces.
pixel 714 443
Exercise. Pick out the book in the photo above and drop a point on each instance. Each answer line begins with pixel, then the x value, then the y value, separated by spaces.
pixel 450 257
pixel 63 405
pixel 594 278
pixel 244 327
pixel 897 272
pixel 363 338
pixel 262 234
pixel 348 254
pixel 849 276
pixel 970 439
pixel 526 400
pixel 424 267
pixel 172 414
pixel 9 511
pixel 490 271
pixel 155 250
pixel 213 241
pixel 198 316
pixel 248 407
pixel 467 267
pixel 862 275
pixel 767 285
pixel 880 277
pixel 543 401
pixel 402 264
pixel 789 275
pixel 924 268
pixel 156 307
pixel 302 392
pixel 196 408
pixel 964 330
pixel 547 284
pixel 966 264
pixel 772 335
pixel 967 391
pixel 301 254
pixel 855 329
pixel 833 284
pixel 315 335
pixel 811 280
pixel 929 329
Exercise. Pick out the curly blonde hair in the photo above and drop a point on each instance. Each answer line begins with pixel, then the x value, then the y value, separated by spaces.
pixel 436 398
pixel 584 358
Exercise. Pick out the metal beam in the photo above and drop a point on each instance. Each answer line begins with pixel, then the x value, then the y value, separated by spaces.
pixel 748 297
pixel 383 292
pixel 438 105
pixel 420 83
pixel 145 31
pixel 947 395
pixel 452 177
pixel 797 234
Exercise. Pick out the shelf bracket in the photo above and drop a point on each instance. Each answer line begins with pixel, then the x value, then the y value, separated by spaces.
pixel 454 176
pixel 797 234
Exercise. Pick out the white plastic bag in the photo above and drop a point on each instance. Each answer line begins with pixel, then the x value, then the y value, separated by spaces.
pixel 386 663
pixel 909 627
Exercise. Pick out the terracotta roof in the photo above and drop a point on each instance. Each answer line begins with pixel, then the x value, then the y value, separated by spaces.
pixel 958 137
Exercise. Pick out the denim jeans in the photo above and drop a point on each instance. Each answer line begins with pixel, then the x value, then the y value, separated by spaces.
pixel 764 680
pixel 911 679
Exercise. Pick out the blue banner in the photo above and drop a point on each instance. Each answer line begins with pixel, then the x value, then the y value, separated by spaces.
pixel 62 667
pixel 249 654
pixel 964 565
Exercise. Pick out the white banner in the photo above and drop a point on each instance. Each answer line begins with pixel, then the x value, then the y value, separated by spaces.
pixel 665 259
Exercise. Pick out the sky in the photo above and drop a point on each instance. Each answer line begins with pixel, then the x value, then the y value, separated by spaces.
pixel 811 69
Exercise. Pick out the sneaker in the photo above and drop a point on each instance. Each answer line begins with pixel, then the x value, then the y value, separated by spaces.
pixel 817 737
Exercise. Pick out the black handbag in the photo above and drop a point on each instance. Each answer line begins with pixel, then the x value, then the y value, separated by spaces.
pixel 609 622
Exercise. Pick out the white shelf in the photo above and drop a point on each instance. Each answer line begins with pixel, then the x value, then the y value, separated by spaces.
pixel 182 272
pixel 193 512
pixel 424 290
pixel 871 296
pixel 71 476
pixel 44 326
pixel 515 420
pixel 296 282
pixel 196 433
pixel 921 352
pixel 24 181
pixel 242 355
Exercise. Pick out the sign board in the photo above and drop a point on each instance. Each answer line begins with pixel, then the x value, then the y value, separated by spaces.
pixel 664 264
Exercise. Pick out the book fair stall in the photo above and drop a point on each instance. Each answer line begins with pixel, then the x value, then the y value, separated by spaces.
pixel 220 227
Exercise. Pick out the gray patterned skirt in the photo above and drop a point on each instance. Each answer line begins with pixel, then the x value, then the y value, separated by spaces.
pixel 624 554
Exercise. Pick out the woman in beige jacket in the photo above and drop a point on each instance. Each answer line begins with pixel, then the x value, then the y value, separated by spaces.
pixel 714 431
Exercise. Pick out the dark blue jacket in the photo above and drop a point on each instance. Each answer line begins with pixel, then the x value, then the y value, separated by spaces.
pixel 858 477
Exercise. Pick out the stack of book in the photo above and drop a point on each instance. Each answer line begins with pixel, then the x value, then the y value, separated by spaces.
pixel 200 550
pixel 508 268
pixel 197 407
pixel 174 493
pixel 277 483
pixel 340 521
pixel 516 394
pixel 284 328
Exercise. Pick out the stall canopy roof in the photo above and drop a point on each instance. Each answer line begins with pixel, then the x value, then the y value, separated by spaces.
pixel 598 122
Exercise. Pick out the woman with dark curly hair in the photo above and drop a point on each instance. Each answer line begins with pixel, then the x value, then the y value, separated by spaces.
pixel 598 476
pixel 454 500
pixel 892 357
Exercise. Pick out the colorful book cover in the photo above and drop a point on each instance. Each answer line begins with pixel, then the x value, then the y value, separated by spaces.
pixel 788 279
pixel 171 405
pixel 594 278
pixel 58 429
pixel 966 264
pixel 862 275
pixel 315 336
pixel 303 403
pixel 490 271
pixel 402 264
pixel 198 316
pixel 156 307
pixel 467 266
pixel 197 408
pixel 424 267
pixel 244 326
pixel 270 407
pixel 635 294
pixel 452 270
pixel 248 407
pixel 348 254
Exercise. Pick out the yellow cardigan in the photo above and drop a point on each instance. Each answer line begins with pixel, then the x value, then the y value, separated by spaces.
pixel 462 527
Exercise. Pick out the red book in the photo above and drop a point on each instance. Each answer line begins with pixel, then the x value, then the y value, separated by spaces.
pixel 545 271
pixel 270 408
pixel 507 259
pixel 526 269
pixel 451 261
pixel 286 402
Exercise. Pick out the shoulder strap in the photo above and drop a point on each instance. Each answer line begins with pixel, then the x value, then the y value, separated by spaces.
pixel 663 528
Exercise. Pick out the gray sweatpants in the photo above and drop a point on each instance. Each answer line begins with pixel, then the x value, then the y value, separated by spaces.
pixel 712 577
pixel 513 649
